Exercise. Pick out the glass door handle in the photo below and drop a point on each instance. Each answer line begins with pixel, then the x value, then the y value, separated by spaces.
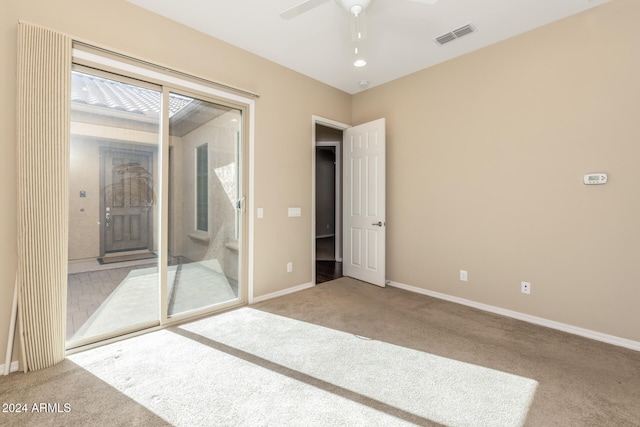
pixel 240 204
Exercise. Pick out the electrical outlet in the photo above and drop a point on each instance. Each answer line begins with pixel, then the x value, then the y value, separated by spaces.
pixel 525 287
pixel 463 275
pixel 289 267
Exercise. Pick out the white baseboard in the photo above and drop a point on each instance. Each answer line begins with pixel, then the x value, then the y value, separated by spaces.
pixel 13 367
pixel 282 292
pixel 598 336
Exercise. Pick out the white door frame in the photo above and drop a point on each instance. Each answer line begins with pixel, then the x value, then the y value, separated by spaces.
pixel 317 120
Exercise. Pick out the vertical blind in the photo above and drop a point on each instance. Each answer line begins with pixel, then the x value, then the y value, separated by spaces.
pixel 43 99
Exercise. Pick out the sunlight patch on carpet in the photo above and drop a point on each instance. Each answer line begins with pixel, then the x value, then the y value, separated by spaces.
pixel 436 388
pixel 190 384
pixel 240 374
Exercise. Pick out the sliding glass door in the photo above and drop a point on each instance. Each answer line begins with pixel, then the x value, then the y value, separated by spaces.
pixel 128 268
pixel 113 207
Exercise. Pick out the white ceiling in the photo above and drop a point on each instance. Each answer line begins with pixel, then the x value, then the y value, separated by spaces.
pixel 399 39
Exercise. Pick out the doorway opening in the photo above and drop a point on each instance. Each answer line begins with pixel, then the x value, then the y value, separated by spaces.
pixel 327 233
pixel 360 242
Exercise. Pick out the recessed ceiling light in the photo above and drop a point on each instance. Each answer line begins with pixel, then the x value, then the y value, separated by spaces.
pixel 360 63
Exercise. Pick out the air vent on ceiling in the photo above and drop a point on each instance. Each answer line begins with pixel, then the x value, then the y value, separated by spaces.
pixel 457 33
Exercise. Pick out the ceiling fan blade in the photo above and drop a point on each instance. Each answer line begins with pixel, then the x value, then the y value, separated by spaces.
pixel 425 1
pixel 301 8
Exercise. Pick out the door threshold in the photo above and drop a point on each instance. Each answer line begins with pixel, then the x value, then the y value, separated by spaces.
pixel 92 264
pixel 121 253
pixel 125 257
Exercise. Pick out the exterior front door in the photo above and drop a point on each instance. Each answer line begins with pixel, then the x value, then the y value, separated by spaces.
pixel 128 200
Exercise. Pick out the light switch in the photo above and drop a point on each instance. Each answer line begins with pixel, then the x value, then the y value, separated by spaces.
pixel 260 213
pixel 295 211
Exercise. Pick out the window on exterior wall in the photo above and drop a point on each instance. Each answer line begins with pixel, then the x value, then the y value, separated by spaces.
pixel 202 188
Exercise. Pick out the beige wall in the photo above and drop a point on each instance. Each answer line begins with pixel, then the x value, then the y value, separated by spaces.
pixel 84 212
pixel 283 116
pixel 485 160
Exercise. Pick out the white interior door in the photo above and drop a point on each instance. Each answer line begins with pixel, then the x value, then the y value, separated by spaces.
pixel 364 202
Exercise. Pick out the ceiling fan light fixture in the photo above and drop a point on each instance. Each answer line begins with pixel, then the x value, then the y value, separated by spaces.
pixel 354 7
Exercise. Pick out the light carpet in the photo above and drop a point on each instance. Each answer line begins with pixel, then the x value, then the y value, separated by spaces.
pixel 249 367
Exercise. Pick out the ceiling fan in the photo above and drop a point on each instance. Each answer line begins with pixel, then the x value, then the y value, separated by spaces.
pixel 354 7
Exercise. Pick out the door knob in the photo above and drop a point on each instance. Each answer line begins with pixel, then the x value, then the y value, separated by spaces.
pixel 379 223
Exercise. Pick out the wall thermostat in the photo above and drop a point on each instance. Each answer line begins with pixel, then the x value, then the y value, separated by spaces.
pixel 595 178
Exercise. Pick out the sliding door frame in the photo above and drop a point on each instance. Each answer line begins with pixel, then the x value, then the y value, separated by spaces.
pixel 175 83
